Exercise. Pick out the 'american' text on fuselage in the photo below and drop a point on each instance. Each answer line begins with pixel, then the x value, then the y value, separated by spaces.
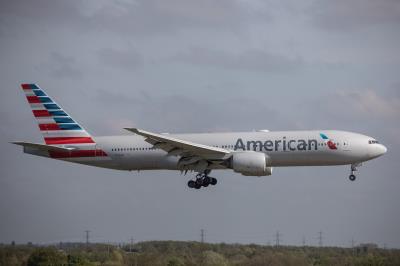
pixel 277 145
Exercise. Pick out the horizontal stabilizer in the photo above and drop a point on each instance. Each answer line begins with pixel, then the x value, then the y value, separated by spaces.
pixel 41 147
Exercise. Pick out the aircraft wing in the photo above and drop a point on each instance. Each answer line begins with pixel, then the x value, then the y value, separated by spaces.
pixel 194 156
pixel 42 147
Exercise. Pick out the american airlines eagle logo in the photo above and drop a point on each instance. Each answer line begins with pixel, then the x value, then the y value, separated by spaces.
pixel 330 143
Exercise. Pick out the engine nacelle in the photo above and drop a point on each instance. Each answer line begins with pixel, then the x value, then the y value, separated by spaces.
pixel 251 163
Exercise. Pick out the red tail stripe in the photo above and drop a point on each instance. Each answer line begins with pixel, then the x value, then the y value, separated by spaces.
pixel 33 99
pixel 26 86
pixel 68 140
pixel 79 153
pixel 41 113
pixel 52 126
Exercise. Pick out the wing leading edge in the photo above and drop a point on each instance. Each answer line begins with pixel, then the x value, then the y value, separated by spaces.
pixel 194 156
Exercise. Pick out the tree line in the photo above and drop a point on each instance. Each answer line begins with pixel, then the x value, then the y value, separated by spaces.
pixel 179 253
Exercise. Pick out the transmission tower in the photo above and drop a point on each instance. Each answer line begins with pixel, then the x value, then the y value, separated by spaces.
pixel 87 238
pixel 353 249
pixel 202 235
pixel 131 245
pixel 320 238
pixel 277 238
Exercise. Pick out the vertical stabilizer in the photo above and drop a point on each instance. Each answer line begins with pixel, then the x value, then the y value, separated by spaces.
pixel 56 126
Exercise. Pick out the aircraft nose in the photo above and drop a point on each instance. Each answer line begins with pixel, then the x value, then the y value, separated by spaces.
pixel 382 149
pixel 376 150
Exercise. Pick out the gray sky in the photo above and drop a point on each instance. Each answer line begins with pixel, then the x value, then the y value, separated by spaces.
pixel 198 66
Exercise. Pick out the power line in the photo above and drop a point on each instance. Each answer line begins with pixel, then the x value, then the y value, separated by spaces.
pixel 303 241
pixel 202 235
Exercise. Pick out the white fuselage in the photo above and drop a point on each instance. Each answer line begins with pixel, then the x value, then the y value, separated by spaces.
pixel 284 148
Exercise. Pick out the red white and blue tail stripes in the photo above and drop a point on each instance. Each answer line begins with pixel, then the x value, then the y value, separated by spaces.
pixel 56 126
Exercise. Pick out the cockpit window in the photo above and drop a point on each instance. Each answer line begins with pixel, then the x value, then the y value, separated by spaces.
pixel 372 141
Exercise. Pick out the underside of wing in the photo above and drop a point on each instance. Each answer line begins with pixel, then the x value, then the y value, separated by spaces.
pixel 194 156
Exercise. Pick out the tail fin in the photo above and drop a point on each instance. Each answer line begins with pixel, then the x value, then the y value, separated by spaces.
pixel 56 126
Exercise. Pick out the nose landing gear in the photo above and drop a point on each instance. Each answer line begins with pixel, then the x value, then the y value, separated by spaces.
pixel 352 176
pixel 202 180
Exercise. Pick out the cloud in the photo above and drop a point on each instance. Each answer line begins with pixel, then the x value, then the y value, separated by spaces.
pixel 134 17
pixel 125 59
pixel 354 110
pixel 358 104
pixel 62 66
pixel 347 15
pixel 252 60
pixel 181 113
pixel 369 103
pixel 44 12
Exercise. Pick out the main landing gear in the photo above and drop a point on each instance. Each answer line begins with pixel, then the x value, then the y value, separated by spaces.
pixel 352 176
pixel 202 180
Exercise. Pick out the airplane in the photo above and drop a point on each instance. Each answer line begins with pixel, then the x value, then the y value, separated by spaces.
pixel 248 153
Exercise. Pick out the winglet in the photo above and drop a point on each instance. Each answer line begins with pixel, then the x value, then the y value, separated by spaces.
pixel 132 129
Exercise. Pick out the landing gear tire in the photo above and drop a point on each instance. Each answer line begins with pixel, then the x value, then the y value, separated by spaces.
pixel 352 177
pixel 202 180
pixel 206 181
pixel 191 184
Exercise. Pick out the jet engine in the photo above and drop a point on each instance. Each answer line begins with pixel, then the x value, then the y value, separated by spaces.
pixel 251 163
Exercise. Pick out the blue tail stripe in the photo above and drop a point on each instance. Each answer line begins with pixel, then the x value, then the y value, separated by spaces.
pixel 63 120
pixel 45 100
pixel 69 126
pixel 58 113
pixel 39 93
pixel 34 87
pixel 51 106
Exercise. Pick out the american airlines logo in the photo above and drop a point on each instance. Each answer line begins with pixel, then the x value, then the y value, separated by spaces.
pixel 283 144
pixel 330 143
